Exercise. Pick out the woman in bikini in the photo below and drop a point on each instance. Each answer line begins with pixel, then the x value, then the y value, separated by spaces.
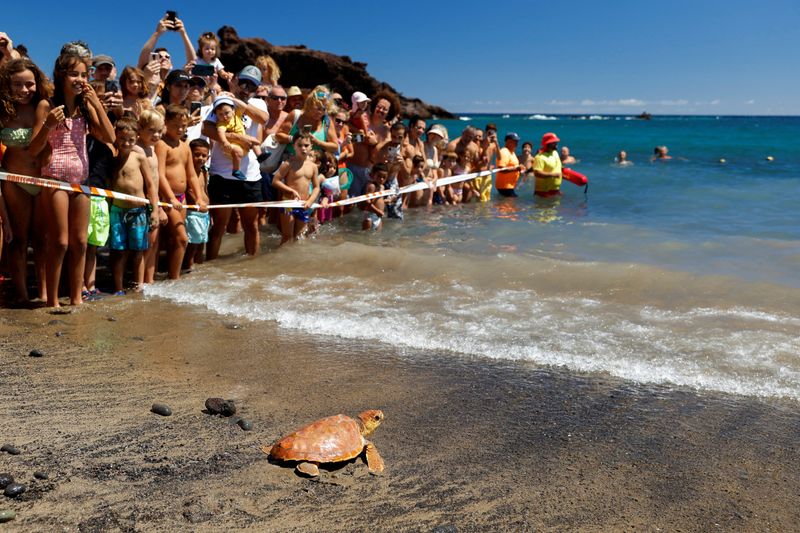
pixel 75 112
pixel 24 92
pixel 315 121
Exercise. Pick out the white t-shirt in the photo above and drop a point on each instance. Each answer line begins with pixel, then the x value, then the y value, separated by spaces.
pixel 195 132
pixel 221 164
pixel 217 64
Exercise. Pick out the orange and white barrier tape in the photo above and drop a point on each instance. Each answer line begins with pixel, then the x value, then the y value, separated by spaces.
pixel 289 204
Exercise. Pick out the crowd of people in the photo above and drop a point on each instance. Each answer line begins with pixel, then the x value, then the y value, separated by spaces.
pixel 226 143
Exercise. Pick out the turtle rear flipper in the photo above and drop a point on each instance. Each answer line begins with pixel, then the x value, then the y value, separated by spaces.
pixel 308 469
pixel 374 459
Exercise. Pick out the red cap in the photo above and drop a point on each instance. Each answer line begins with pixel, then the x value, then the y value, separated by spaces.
pixel 549 138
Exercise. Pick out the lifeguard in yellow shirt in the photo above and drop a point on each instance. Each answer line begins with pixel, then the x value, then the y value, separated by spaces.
pixel 547 167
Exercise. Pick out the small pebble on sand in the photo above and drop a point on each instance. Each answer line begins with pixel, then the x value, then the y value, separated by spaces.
pixel 161 409
pixel 246 425
pixel 218 406
pixel 7 516
pixel 14 490
pixel 8 448
pixel 6 480
pixel 41 475
pixel 36 353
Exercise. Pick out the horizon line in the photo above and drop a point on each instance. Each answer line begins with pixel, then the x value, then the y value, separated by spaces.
pixel 544 113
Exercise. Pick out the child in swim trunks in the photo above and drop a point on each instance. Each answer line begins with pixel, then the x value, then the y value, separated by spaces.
pixel 374 208
pixel 177 176
pixel 331 186
pixel 151 127
pixel 197 223
pixel 453 192
pixel 130 222
pixel 293 180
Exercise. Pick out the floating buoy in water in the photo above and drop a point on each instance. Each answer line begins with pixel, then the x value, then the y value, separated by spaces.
pixel 770 158
pixel 574 177
pixel 722 161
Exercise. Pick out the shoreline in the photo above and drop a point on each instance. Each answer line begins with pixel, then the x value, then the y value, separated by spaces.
pixel 476 444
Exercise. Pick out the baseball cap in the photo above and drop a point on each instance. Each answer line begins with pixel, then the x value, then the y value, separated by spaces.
pixel 102 59
pixel 219 100
pixel 512 135
pixel 439 130
pixel 359 97
pixel 176 76
pixel 251 73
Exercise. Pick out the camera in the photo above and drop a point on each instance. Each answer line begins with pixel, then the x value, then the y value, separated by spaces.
pixel 112 86
pixel 394 151
pixel 195 106
pixel 358 138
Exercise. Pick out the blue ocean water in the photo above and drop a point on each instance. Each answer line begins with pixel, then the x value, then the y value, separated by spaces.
pixel 743 211
pixel 682 272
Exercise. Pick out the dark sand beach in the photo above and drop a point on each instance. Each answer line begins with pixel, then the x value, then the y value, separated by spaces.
pixel 469 444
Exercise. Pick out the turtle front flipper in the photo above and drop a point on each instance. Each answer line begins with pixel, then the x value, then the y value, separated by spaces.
pixel 308 469
pixel 374 459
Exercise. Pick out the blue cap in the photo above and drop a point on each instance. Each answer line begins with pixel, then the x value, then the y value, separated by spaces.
pixel 512 135
pixel 251 73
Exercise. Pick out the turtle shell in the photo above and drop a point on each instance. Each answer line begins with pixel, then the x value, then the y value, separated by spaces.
pixel 328 440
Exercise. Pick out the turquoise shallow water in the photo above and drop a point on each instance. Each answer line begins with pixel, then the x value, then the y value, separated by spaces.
pixel 742 213
pixel 681 273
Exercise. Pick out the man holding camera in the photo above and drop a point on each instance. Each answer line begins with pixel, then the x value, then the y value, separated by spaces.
pixel 158 60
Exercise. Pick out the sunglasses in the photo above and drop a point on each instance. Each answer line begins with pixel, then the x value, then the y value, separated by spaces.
pixel 278 97
pixel 338 121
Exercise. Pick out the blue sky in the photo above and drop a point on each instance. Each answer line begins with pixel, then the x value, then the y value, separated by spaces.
pixel 582 56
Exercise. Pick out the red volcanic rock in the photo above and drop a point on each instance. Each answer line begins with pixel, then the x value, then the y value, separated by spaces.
pixel 308 68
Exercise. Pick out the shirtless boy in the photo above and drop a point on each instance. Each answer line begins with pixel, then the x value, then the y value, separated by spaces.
pixel 468 153
pixel 176 174
pixel 292 180
pixel 151 126
pixel 130 222
pixel 374 209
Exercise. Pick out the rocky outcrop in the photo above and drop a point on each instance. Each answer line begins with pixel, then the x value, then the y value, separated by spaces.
pixel 307 68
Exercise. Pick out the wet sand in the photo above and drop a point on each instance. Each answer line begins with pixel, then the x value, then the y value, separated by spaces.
pixel 469 444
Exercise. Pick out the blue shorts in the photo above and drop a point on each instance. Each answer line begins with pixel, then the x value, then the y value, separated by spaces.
pixel 303 215
pixel 130 228
pixel 197 224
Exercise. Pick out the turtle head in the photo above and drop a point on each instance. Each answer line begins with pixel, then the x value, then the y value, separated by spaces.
pixel 370 420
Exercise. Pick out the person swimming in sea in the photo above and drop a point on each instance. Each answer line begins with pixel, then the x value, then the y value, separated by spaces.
pixel 660 153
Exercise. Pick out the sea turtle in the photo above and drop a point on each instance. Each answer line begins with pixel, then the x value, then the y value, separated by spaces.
pixel 330 440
